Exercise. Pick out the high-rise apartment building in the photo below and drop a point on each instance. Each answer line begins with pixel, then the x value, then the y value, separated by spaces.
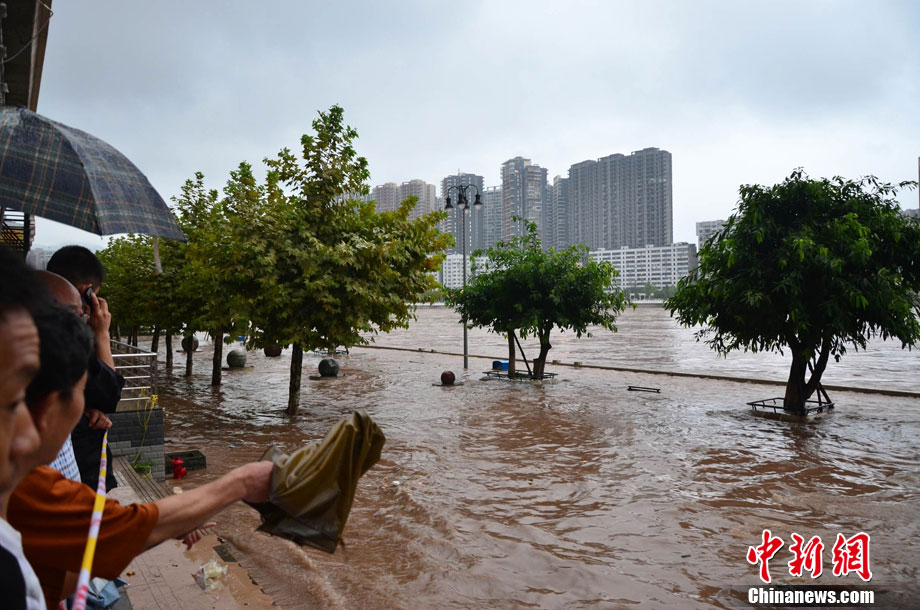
pixel 706 229
pixel 557 223
pixel 424 192
pixel 524 194
pixel 473 218
pixel 622 200
pixel 388 196
pixel 584 205
pixel 491 217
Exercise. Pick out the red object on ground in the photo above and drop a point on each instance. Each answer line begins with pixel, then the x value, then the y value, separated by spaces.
pixel 179 470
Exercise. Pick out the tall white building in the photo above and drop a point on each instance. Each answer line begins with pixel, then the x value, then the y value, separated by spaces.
pixel 451 275
pixel 660 266
pixel 706 229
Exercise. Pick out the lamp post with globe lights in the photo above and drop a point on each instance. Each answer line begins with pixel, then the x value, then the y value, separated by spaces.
pixel 463 204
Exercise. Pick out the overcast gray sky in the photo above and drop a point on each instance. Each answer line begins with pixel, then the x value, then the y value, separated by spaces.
pixel 738 92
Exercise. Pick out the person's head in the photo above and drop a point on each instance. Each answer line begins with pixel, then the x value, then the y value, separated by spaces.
pixel 20 293
pixel 62 291
pixel 79 266
pixel 55 395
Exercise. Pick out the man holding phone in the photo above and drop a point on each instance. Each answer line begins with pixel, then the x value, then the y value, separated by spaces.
pixel 103 387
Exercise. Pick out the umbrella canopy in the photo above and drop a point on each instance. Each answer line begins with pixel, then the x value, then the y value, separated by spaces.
pixel 60 173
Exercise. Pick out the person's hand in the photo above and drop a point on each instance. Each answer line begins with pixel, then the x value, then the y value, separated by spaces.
pixel 99 317
pixel 256 478
pixel 97 419
pixel 195 535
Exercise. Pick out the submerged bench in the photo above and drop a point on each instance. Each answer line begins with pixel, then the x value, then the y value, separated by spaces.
pixel 518 375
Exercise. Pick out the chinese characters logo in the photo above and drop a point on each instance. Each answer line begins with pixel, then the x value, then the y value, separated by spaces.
pixel 848 555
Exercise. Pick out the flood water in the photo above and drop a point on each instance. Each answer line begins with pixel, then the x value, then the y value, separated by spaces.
pixel 575 494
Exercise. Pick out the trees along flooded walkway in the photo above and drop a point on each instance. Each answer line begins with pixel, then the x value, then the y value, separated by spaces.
pixel 572 494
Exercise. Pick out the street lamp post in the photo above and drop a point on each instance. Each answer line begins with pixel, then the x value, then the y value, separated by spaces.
pixel 463 204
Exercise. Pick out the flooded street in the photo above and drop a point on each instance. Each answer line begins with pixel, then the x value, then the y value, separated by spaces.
pixel 575 494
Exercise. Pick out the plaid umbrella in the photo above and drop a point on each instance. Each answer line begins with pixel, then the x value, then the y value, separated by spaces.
pixel 64 174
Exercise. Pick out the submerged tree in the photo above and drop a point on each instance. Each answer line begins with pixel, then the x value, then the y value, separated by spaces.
pixel 215 283
pixel 328 266
pixel 530 290
pixel 808 266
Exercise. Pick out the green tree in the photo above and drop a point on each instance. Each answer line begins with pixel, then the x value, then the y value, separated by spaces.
pixel 129 283
pixel 530 290
pixel 808 266
pixel 214 282
pixel 328 267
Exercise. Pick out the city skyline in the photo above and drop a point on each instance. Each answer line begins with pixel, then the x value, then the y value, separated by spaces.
pixel 616 201
pixel 180 88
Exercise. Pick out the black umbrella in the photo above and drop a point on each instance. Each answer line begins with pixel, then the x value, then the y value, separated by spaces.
pixel 60 173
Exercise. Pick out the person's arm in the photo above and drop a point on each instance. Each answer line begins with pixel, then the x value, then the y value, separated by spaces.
pixel 99 321
pixel 103 387
pixel 182 513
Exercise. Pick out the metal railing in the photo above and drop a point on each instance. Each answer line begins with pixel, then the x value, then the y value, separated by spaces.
pixel 138 367
pixel 17 230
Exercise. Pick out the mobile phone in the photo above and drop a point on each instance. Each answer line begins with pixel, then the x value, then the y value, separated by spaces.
pixel 88 298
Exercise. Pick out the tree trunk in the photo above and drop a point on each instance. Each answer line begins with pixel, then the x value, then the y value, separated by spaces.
pixel 117 333
pixel 818 368
pixel 217 361
pixel 169 351
pixel 539 365
pixel 794 399
pixel 188 359
pixel 511 354
pixel 296 373
pixel 134 332
pixel 155 342
pixel 798 391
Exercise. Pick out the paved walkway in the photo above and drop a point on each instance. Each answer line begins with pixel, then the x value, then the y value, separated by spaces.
pixel 162 578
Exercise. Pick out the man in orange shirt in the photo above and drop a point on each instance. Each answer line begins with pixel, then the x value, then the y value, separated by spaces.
pixel 53 513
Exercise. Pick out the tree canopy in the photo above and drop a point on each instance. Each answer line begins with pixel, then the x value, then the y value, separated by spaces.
pixel 297 259
pixel 530 290
pixel 808 266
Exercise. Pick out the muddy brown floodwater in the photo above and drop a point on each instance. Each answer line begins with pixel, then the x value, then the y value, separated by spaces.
pixel 575 494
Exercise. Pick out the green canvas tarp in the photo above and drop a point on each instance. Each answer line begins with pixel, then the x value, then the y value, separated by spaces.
pixel 312 489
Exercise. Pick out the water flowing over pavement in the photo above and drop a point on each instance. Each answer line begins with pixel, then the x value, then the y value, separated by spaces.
pixel 575 494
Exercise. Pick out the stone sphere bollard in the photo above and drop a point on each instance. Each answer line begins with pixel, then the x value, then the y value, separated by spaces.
pixel 193 341
pixel 448 378
pixel 328 367
pixel 272 351
pixel 236 359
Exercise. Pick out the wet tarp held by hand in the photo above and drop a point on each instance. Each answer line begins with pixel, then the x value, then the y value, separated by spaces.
pixel 312 489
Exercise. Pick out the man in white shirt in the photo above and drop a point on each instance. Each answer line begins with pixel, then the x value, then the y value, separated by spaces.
pixel 19 362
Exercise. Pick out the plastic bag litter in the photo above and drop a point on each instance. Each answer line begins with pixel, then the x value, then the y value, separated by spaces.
pixel 208 575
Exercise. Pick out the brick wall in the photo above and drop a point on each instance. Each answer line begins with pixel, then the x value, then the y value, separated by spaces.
pixel 127 436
